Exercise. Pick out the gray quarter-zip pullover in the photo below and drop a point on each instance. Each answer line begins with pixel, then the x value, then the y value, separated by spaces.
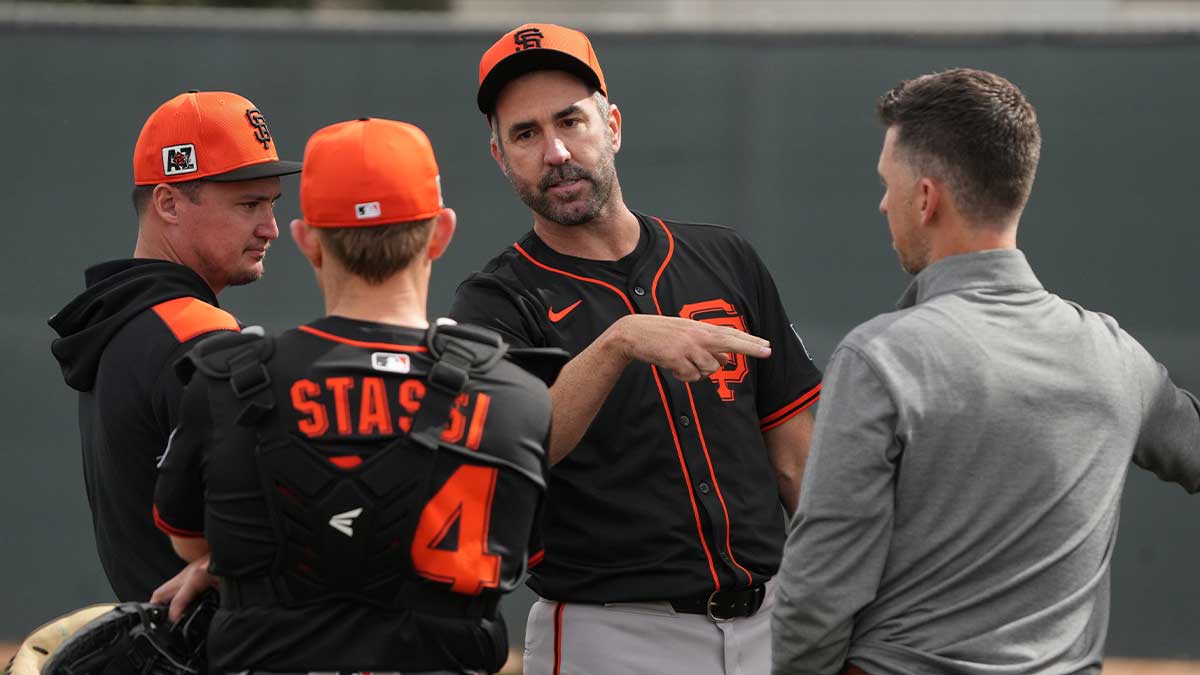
pixel 959 508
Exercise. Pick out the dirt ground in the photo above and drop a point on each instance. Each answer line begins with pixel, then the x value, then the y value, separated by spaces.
pixel 1111 666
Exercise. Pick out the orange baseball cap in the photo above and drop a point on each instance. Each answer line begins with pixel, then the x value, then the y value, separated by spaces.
pixel 213 135
pixel 536 46
pixel 369 172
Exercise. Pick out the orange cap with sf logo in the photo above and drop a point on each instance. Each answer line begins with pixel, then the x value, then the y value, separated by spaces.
pixel 369 172
pixel 536 46
pixel 215 135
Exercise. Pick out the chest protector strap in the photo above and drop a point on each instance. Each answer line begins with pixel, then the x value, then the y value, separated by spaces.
pixel 344 531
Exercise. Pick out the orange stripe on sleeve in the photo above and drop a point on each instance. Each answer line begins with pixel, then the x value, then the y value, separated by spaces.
pixel 174 531
pixel 188 317
pixel 790 410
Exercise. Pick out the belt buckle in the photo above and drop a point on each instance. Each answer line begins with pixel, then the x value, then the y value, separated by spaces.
pixel 708 609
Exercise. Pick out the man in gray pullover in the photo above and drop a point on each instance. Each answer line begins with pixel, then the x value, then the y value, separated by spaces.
pixel 959 508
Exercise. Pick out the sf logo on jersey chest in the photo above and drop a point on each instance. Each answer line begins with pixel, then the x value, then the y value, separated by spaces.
pixel 721 313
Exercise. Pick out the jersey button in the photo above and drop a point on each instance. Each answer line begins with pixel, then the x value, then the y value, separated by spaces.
pixel 685 421
pixel 703 488
pixel 638 290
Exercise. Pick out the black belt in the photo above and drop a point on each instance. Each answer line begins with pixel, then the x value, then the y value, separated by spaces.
pixel 724 605
pixel 237 592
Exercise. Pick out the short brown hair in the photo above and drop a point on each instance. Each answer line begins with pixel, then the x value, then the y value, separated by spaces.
pixel 972 129
pixel 377 252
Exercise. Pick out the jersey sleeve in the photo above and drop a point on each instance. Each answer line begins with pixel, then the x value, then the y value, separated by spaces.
pixel 179 490
pixel 484 300
pixel 789 381
pixel 189 320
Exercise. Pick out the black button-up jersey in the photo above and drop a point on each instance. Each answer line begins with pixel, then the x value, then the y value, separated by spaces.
pixel 347 391
pixel 670 493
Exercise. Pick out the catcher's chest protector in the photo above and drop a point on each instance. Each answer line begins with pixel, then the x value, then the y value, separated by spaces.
pixel 403 527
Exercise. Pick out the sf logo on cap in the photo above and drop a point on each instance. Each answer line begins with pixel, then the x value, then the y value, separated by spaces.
pixel 261 133
pixel 529 38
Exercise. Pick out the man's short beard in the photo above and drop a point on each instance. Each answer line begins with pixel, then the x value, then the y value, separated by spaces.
pixel 541 203
pixel 244 277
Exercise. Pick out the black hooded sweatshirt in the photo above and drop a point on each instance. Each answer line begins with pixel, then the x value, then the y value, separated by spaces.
pixel 119 342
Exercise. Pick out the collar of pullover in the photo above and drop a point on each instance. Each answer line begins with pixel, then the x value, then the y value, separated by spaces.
pixel 995 268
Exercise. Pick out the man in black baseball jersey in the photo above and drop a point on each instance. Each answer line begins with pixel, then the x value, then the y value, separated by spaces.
pixel 367 482
pixel 206 177
pixel 677 434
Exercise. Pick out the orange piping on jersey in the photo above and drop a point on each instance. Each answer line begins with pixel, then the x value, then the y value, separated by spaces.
pixel 188 317
pixel 790 410
pixel 797 411
pixel 537 558
pixel 695 416
pixel 663 266
pixel 712 472
pixel 589 280
pixel 359 343
pixel 558 612
pixel 687 477
pixel 661 394
pixel 174 531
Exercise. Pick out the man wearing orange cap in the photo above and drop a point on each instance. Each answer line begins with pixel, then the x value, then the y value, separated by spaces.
pixel 206 177
pixel 368 482
pixel 677 434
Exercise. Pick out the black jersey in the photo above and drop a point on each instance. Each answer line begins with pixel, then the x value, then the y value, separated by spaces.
pixel 670 493
pixel 453 520
pixel 119 341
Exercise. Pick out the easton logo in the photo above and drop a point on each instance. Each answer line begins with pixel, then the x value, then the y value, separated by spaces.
pixel 179 159
pixel 392 363
pixel 261 133
pixel 529 38
pixel 344 522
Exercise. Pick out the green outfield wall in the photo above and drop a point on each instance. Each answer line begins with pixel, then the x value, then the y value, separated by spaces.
pixel 772 135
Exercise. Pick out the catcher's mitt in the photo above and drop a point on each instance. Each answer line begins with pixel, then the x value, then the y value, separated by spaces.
pixel 131 639
pixel 36 649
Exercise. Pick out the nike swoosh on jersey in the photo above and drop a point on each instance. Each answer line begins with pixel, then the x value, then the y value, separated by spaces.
pixel 555 317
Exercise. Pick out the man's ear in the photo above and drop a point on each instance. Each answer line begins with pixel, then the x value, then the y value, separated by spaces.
pixel 497 151
pixel 308 240
pixel 497 154
pixel 614 125
pixel 165 202
pixel 444 225
pixel 931 195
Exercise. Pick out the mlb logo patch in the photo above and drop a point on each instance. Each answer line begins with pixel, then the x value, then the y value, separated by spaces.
pixel 179 159
pixel 391 363
pixel 367 210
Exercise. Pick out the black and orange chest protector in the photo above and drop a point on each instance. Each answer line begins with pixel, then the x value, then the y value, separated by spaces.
pixel 370 528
